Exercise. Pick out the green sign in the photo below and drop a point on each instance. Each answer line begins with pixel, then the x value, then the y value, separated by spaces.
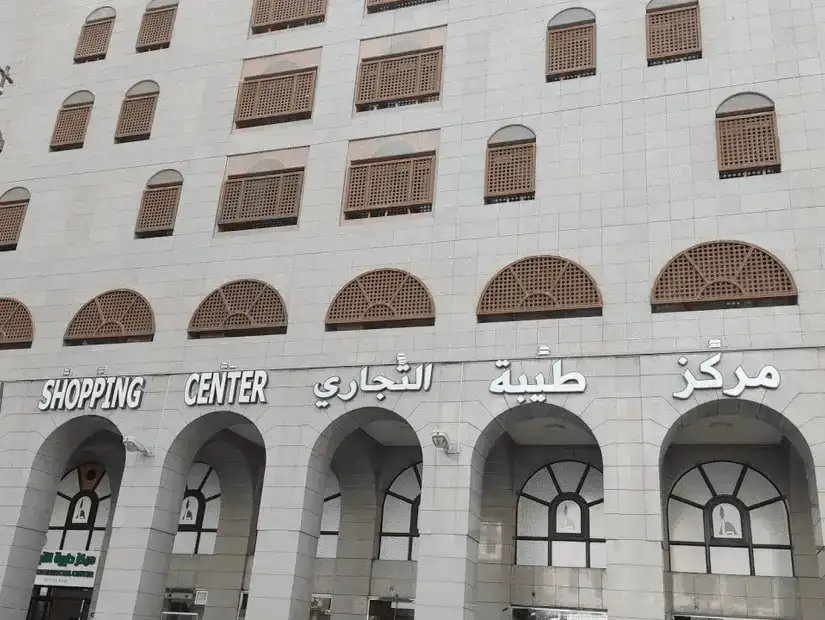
pixel 68 569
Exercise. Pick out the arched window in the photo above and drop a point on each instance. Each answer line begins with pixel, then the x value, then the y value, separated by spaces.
pixel 159 205
pixel 81 510
pixel 747 140
pixel 399 517
pixel 156 27
pixel 72 122
pixel 722 274
pixel 137 112
pixel 239 308
pixel 95 35
pixel 571 45
pixel 539 287
pixel 674 31
pixel 200 512
pixel 330 519
pixel 13 206
pixel 381 298
pixel 560 517
pixel 16 326
pixel 727 518
pixel 116 316
pixel 510 173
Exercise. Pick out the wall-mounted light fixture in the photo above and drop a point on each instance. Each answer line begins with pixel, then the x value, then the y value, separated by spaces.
pixel 133 445
pixel 101 370
pixel 67 372
pixel 442 442
pixel 543 350
pixel 715 343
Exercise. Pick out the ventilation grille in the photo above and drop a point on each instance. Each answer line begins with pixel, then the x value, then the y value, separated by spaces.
pixel 158 209
pixel 70 127
pixel 16 327
pixel 116 316
pixel 722 274
pixel 376 6
pixel 270 15
pixel 674 34
pixel 511 172
pixel 271 199
pixel 539 287
pixel 94 41
pixel 390 187
pixel 156 29
pixel 571 51
pixel 12 215
pixel 136 116
pixel 747 144
pixel 240 308
pixel 399 80
pixel 277 98
pixel 381 298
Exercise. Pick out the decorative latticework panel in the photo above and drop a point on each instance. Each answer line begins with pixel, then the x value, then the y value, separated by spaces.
pixel 747 144
pixel 116 316
pixel 571 51
pixel 156 29
pixel 158 209
pixel 381 298
pixel 94 40
pixel 390 187
pixel 674 34
pixel 270 15
pixel 510 172
pixel 722 274
pixel 70 127
pixel 240 308
pixel 16 326
pixel 276 98
pixel 539 287
pixel 399 80
pixel 12 215
pixel 376 6
pixel 136 116
pixel 271 199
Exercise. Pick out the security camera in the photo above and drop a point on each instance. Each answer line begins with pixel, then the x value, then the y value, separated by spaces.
pixel 442 441
pixel 133 445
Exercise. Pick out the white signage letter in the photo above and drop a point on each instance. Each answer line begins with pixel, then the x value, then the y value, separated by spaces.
pixel 46 395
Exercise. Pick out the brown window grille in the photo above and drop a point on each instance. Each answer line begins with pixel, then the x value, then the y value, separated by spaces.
pixel 93 43
pixel 240 308
pixel 377 6
pixel 269 15
pixel 70 127
pixel 674 33
pixel 722 274
pixel 13 206
pixel 397 80
pixel 391 186
pixel 571 51
pixel 381 298
pixel 747 143
pixel 276 98
pixel 16 326
pixel 159 208
pixel 510 172
pixel 539 287
pixel 261 200
pixel 136 116
pixel 116 316
pixel 156 29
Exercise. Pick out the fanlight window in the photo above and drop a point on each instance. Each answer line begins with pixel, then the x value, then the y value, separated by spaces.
pixel 330 519
pixel 117 316
pixel 137 112
pixel 16 326
pixel 72 122
pixel 747 140
pixel 239 308
pixel 727 518
pixel 560 517
pixel 95 35
pixel 200 512
pixel 539 287
pixel 159 205
pixel 399 518
pixel 722 274
pixel 81 510
pixel 13 206
pixel 381 298
pixel 510 173
pixel 571 45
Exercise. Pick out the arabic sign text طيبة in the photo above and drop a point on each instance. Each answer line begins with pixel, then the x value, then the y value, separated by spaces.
pixel 107 392
pixel 244 387
pixel 768 378
pixel 570 383
pixel 376 385
pixel 70 569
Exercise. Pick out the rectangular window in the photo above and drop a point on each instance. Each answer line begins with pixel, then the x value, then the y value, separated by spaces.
pixel 673 34
pixel 391 609
pixel 136 116
pixel 268 15
pixel 747 144
pixel 511 172
pixel 156 29
pixel 261 200
pixel 70 128
pixel 158 208
pixel 279 98
pixel 376 6
pixel 391 186
pixel 397 80
pixel 571 51
pixel 94 41
pixel 11 222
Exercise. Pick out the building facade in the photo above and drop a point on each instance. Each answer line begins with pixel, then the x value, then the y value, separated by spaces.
pixel 385 309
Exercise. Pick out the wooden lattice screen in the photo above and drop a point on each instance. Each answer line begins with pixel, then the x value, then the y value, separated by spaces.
pixel 136 116
pixel 747 143
pixel 390 186
pixel 261 200
pixel 539 287
pixel 381 298
pixel 16 326
pixel 571 51
pixel 70 127
pixel 156 29
pixel 722 274
pixel 674 33
pixel 394 80
pixel 240 308
pixel 12 214
pixel 510 172
pixel 276 98
pixel 158 210
pixel 116 316
pixel 376 6
pixel 270 15
pixel 93 43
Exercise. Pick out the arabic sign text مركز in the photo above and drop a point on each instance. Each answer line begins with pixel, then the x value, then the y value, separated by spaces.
pixel 768 377
pixel 70 569
pixel 570 383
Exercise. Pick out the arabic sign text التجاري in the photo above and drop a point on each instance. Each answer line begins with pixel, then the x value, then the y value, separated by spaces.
pixel 569 383
pixel 768 378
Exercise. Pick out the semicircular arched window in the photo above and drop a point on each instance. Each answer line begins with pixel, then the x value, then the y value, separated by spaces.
pixel 510 172
pixel 539 287
pixel 93 43
pixel 239 308
pixel 381 298
pixel 728 518
pixel 120 315
pixel 330 519
pixel 200 512
pixel 399 516
pixel 16 326
pixel 722 274
pixel 560 517
pixel 81 510
pixel 747 138
pixel 72 121
pixel 674 31
pixel 157 25
pixel 137 113
pixel 571 45
pixel 159 205
pixel 13 206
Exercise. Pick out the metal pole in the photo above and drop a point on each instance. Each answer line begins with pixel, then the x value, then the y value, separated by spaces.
pixel 5 76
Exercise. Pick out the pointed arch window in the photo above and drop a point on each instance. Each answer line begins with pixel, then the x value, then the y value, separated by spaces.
pixel 13 206
pixel 93 43
pixel 199 512
pixel 571 45
pixel 16 326
pixel 72 122
pixel 728 518
pixel 510 173
pixel 116 316
pixel 399 516
pixel 330 519
pixel 81 510
pixel 560 517
pixel 239 308
pixel 747 139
